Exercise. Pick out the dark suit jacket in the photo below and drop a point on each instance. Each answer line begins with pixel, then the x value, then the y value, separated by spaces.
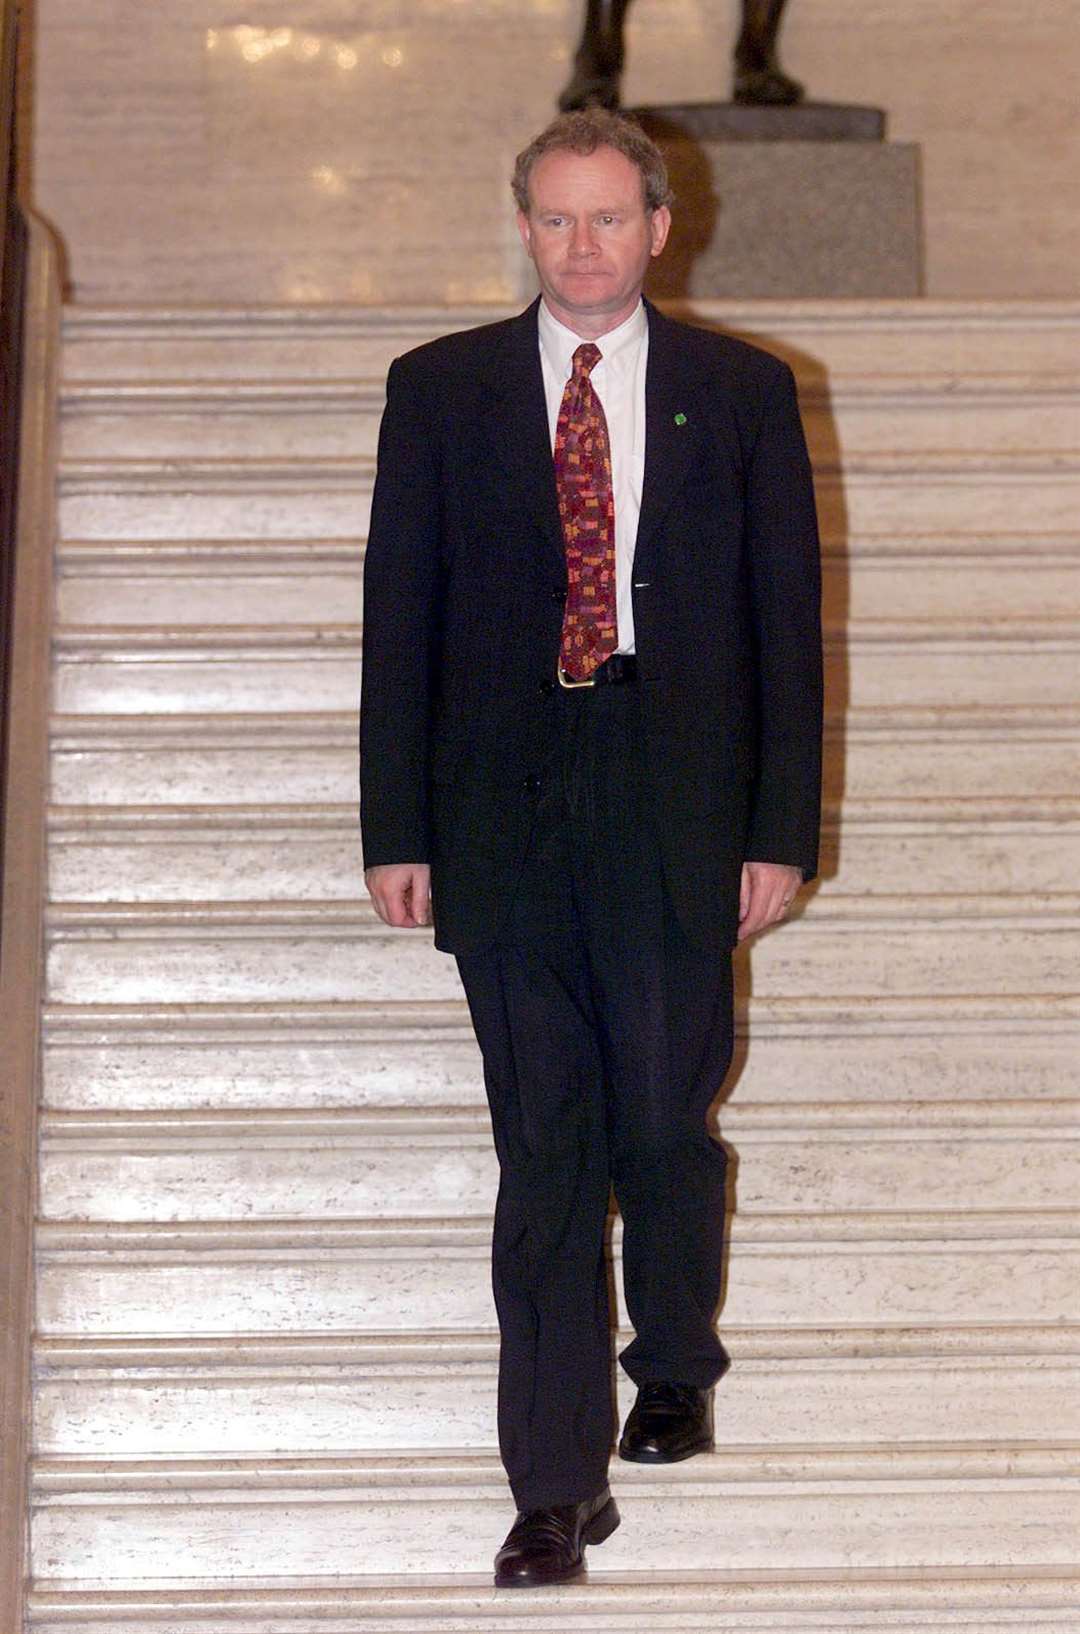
pixel 464 586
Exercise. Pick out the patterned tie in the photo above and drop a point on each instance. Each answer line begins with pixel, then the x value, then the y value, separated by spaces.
pixel 587 509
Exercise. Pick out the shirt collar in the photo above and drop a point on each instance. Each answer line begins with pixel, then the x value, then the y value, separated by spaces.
pixel 558 343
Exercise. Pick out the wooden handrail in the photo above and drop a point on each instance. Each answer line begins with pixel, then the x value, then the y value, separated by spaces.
pixel 9 19
pixel 23 861
pixel 29 348
pixel 12 266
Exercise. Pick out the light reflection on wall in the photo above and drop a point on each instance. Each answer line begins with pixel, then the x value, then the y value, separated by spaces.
pixel 329 179
pixel 255 45
pixel 298 123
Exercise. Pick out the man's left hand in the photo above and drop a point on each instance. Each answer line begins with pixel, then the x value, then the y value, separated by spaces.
pixel 766 892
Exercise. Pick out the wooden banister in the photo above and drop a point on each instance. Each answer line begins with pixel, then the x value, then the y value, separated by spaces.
pixel 29 345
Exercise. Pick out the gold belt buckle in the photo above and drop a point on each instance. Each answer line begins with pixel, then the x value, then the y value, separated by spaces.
pixel 565 681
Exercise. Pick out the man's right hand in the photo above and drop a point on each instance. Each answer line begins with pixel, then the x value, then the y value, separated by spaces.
pixel 401 892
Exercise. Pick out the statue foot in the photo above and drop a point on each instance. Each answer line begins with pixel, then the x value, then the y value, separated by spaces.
pixel 589 88
pixel 768 86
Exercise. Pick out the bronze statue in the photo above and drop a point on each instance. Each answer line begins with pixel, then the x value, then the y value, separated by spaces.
pixel 598 62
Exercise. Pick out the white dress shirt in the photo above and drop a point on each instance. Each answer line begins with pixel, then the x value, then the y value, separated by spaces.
pixel 619 382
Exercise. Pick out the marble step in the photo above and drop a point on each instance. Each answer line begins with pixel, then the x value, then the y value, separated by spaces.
pixel 910 1056
pixel 232 853
pixel 878 338
pixel 1028 754
pixel 243 1397
pixel 288 498
pixel 233 555
pixel 289 416
pixel 200 952
pixel 876 664
pixel 249 418
pixel 108 1521
pixel 990 1599
pixel 321 581
pixel 406 1163
pixel 921 491
pixel 109 1280
pixel 1005 1600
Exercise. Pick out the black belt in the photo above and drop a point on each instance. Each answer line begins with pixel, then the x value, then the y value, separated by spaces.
pixel 621 666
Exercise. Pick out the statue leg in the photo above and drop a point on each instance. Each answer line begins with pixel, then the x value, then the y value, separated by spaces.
pixel 598 62
pixel 758 75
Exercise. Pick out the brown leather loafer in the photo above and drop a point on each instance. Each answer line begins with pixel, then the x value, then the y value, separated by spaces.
pixel 667 1423
pixel 547 1545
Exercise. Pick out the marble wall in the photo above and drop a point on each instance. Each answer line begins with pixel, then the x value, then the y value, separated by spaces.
pixel 321 150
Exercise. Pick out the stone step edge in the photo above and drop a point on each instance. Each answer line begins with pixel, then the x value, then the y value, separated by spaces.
pixel 897 814
pixel 185 473
pixel 304 393
pixel 942 723
pixel 96 319
pixel 280 1239
pixel 447 1020
pixel 237 555
pixel 223 643
pixel 757 1122
pixel 1043 911
pixel 942 1590
pixel 414 1352
pixel 405 1472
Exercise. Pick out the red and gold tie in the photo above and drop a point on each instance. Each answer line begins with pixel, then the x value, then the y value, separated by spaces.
pixel 587 509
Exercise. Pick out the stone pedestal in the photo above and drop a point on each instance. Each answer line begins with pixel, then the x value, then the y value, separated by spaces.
pixel 788 202
pixel 754 122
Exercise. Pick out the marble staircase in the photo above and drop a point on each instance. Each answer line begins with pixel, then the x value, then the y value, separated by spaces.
pixel 265 1348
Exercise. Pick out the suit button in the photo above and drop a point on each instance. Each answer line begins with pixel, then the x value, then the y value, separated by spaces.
pixel 531 784
pixel 558 596
pixel 547 686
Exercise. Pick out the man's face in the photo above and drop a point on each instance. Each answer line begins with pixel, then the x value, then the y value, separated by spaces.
pixel 590 236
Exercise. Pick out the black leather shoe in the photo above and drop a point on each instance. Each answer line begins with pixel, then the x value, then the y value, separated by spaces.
pixel 547 1545
pixel 667 1423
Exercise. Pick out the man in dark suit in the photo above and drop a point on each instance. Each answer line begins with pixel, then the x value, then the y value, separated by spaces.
pixel 591 728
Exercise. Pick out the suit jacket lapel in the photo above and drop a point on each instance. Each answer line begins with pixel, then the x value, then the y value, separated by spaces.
pixel 673 430
pixel 517 431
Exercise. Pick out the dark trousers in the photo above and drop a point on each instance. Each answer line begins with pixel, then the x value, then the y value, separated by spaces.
pixel 604 1037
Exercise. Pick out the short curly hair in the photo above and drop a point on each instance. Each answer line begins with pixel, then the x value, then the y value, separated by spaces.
pixel 583 132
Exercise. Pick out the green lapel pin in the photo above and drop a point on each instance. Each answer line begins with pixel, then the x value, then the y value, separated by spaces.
pixel 680 419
